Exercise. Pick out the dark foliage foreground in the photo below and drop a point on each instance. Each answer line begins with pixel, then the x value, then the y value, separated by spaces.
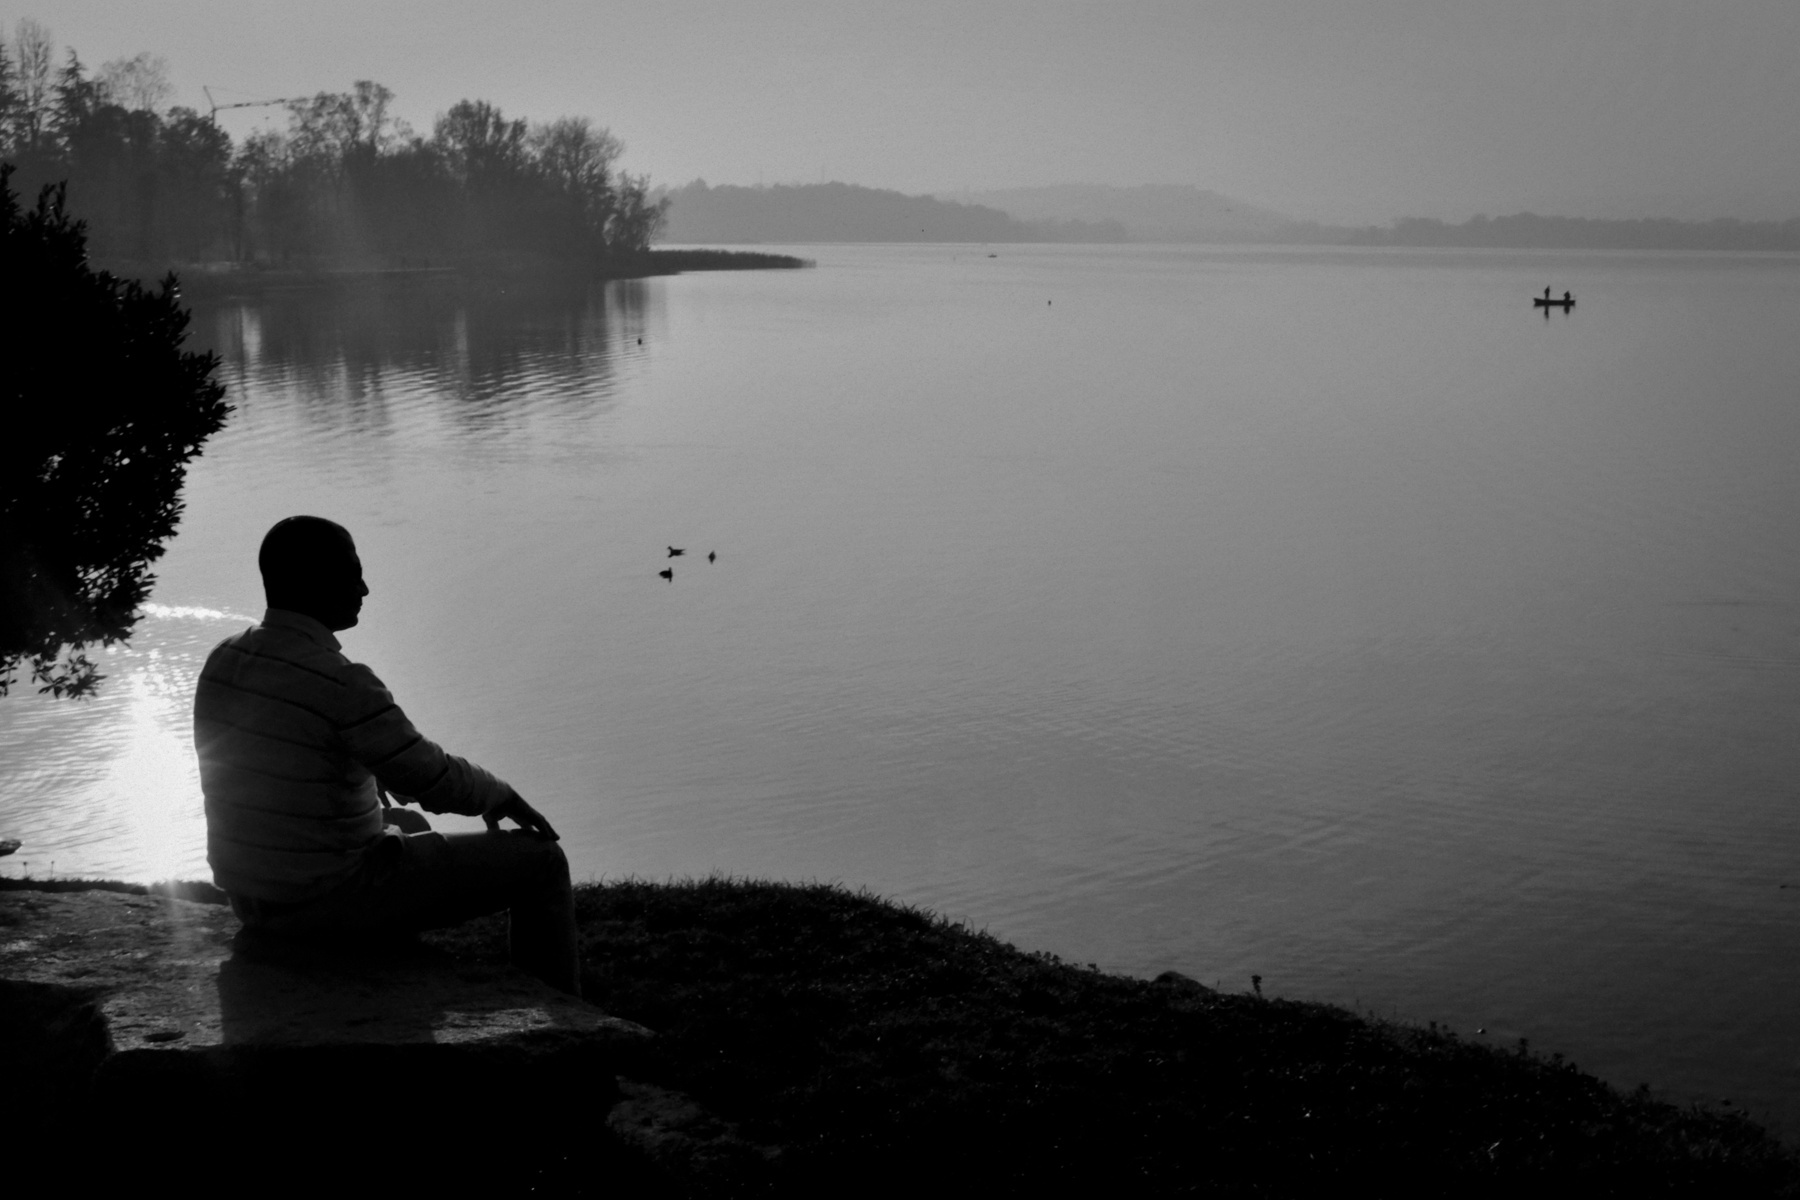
pixel 103 411
pixel 885 1049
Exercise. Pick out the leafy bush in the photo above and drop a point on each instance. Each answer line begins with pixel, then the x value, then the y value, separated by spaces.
pixel 102 409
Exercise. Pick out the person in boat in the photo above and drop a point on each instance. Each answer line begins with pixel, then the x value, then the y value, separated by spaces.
pixel 1569 299
pixel 301 750
pixel 1546 293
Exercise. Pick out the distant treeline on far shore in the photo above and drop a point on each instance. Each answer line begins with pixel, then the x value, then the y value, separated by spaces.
pixel 344 185
pixel 840 212
pixel 1528 231
pixel 843 212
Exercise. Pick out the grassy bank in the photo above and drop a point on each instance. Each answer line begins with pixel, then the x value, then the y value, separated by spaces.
pixel 879 1047
pixel 875 1042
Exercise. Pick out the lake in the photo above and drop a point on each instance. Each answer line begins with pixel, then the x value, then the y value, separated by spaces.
pixel 1330 616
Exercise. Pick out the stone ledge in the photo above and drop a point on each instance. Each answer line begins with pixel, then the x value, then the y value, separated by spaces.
pixel 181 993
pixel 151 1009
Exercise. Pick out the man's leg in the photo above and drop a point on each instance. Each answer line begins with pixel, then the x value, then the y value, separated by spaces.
pixel 443 879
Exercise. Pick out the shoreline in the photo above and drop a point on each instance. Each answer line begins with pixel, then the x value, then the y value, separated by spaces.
pixel 861 1035
pixel 211 281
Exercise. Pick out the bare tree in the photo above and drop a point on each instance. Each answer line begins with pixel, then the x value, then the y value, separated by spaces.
pixel 376 130
pixel 140 83
pixel 573 154
pixel 33 50
pixel 577 159
pixel 9 100
pixel 636 218
pixel 333 127
pixel 478 143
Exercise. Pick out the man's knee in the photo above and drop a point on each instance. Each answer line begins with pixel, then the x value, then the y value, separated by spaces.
pixel 556 863
pixel 545 857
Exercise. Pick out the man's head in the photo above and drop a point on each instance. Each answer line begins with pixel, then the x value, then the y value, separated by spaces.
pixel 309 565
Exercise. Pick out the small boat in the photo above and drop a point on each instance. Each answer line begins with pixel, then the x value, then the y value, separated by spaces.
pixel 1547 302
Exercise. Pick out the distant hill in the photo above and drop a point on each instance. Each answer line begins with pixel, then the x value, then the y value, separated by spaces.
pixel 1150 213
pixel 1528 231
pixel 842 212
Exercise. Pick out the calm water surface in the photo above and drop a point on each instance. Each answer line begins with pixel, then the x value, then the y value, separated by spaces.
pixel 1329 616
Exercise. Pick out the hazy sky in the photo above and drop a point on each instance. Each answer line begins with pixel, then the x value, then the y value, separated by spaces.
pixel 1358 110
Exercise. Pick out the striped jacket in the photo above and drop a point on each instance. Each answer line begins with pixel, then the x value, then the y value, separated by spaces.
pixel 293 738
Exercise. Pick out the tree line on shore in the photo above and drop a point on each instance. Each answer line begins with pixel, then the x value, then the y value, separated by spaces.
pixel 840 212
pixel 1185 213
pixel 1529 231
pixel 843 212
pixel 346 183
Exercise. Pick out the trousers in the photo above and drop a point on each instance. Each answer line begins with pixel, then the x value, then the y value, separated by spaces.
pixel 416 881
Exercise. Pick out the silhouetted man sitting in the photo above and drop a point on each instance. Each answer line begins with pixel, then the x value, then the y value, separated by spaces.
pixel 299 747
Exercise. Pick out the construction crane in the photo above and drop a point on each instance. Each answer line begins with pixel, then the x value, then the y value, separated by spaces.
pixel 213 115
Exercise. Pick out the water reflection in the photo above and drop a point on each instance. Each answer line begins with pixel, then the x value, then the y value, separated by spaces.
pixel 348 351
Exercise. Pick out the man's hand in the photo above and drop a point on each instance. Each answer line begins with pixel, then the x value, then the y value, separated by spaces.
pixel 523 814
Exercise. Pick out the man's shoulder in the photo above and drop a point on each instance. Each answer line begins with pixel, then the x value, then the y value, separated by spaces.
pixel 273 648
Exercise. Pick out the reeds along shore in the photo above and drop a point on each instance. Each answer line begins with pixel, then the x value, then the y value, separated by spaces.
pixel 873 1041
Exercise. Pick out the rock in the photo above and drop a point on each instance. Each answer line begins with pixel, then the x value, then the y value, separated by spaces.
pixel 185 1002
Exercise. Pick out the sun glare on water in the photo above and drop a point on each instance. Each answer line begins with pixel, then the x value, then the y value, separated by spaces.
pixel 194 612
pixel 154 782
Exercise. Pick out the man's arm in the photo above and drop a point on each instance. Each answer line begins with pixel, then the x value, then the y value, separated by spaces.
pixel 405 761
